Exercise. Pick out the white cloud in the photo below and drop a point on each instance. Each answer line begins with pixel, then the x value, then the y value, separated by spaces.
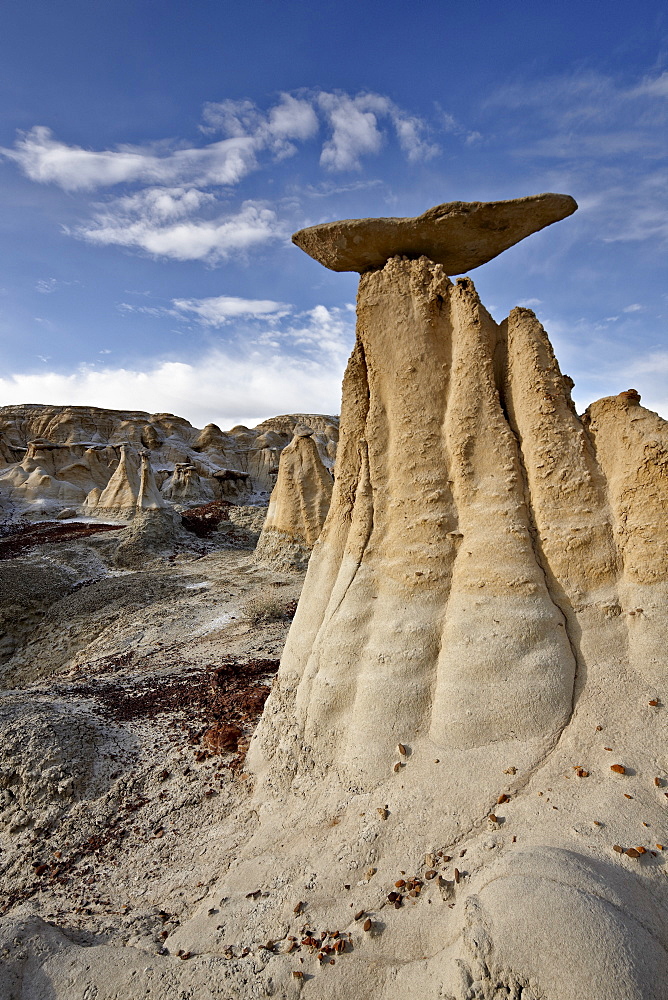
pixel 355 129
pixel 291 118
pixel 586 114
pixel 156 311
pixel 210 240
pixel 633 308
pixel 221 309
pixel 530 303
pixel 601 138
pixel 654 363
pixel 45 286
pixel 450 124
pixel 167 204
pixel 248 131
pixel 410 131
pixel 47 160
pixel 652 86
pixel 162 204
pixel 635 211
pixel 297 369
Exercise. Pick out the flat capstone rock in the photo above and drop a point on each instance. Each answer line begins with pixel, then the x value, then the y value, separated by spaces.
pixel 460 235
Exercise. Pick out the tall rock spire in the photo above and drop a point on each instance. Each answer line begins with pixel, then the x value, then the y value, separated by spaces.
pixel 298 505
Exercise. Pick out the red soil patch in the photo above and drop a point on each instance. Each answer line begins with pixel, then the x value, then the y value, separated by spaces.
pixel 202 521
pixel 16 540
pixel 221 703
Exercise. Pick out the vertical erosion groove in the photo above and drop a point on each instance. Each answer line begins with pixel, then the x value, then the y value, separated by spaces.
pixel 557 594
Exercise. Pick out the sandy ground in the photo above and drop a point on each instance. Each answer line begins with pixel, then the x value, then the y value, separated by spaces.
pixel 124 721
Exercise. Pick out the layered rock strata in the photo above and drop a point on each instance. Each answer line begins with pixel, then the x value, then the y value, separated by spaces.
pixel 56 474
pixel 53 457
pixel 298 506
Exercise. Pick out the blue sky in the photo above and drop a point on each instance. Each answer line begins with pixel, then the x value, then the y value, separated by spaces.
pixel 156 157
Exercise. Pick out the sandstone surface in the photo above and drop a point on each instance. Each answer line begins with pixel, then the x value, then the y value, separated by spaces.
pixel 478 642
pixel 298 505
pixel 459 235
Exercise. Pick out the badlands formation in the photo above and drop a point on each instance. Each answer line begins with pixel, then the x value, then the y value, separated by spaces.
pixel 458 787
pixel 298 505
pixel 110 462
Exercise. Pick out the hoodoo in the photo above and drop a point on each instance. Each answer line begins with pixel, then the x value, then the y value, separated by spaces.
pixel 298 505
pixel 487 597
pixel 131 488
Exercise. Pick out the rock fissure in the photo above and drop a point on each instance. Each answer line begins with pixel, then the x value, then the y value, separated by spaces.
pixel 542 562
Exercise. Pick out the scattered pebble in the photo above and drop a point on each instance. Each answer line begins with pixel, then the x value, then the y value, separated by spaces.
pixel 618 768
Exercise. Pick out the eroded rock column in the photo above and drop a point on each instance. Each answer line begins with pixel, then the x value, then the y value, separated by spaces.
pixel 425 610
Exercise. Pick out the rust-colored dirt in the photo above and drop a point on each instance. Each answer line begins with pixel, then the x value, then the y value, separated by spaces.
pixel 17 540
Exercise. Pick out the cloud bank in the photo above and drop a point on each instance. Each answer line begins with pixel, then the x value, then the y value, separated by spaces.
pixel 295 369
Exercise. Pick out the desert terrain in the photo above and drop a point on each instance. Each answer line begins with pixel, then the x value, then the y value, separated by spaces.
pixel 455 784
